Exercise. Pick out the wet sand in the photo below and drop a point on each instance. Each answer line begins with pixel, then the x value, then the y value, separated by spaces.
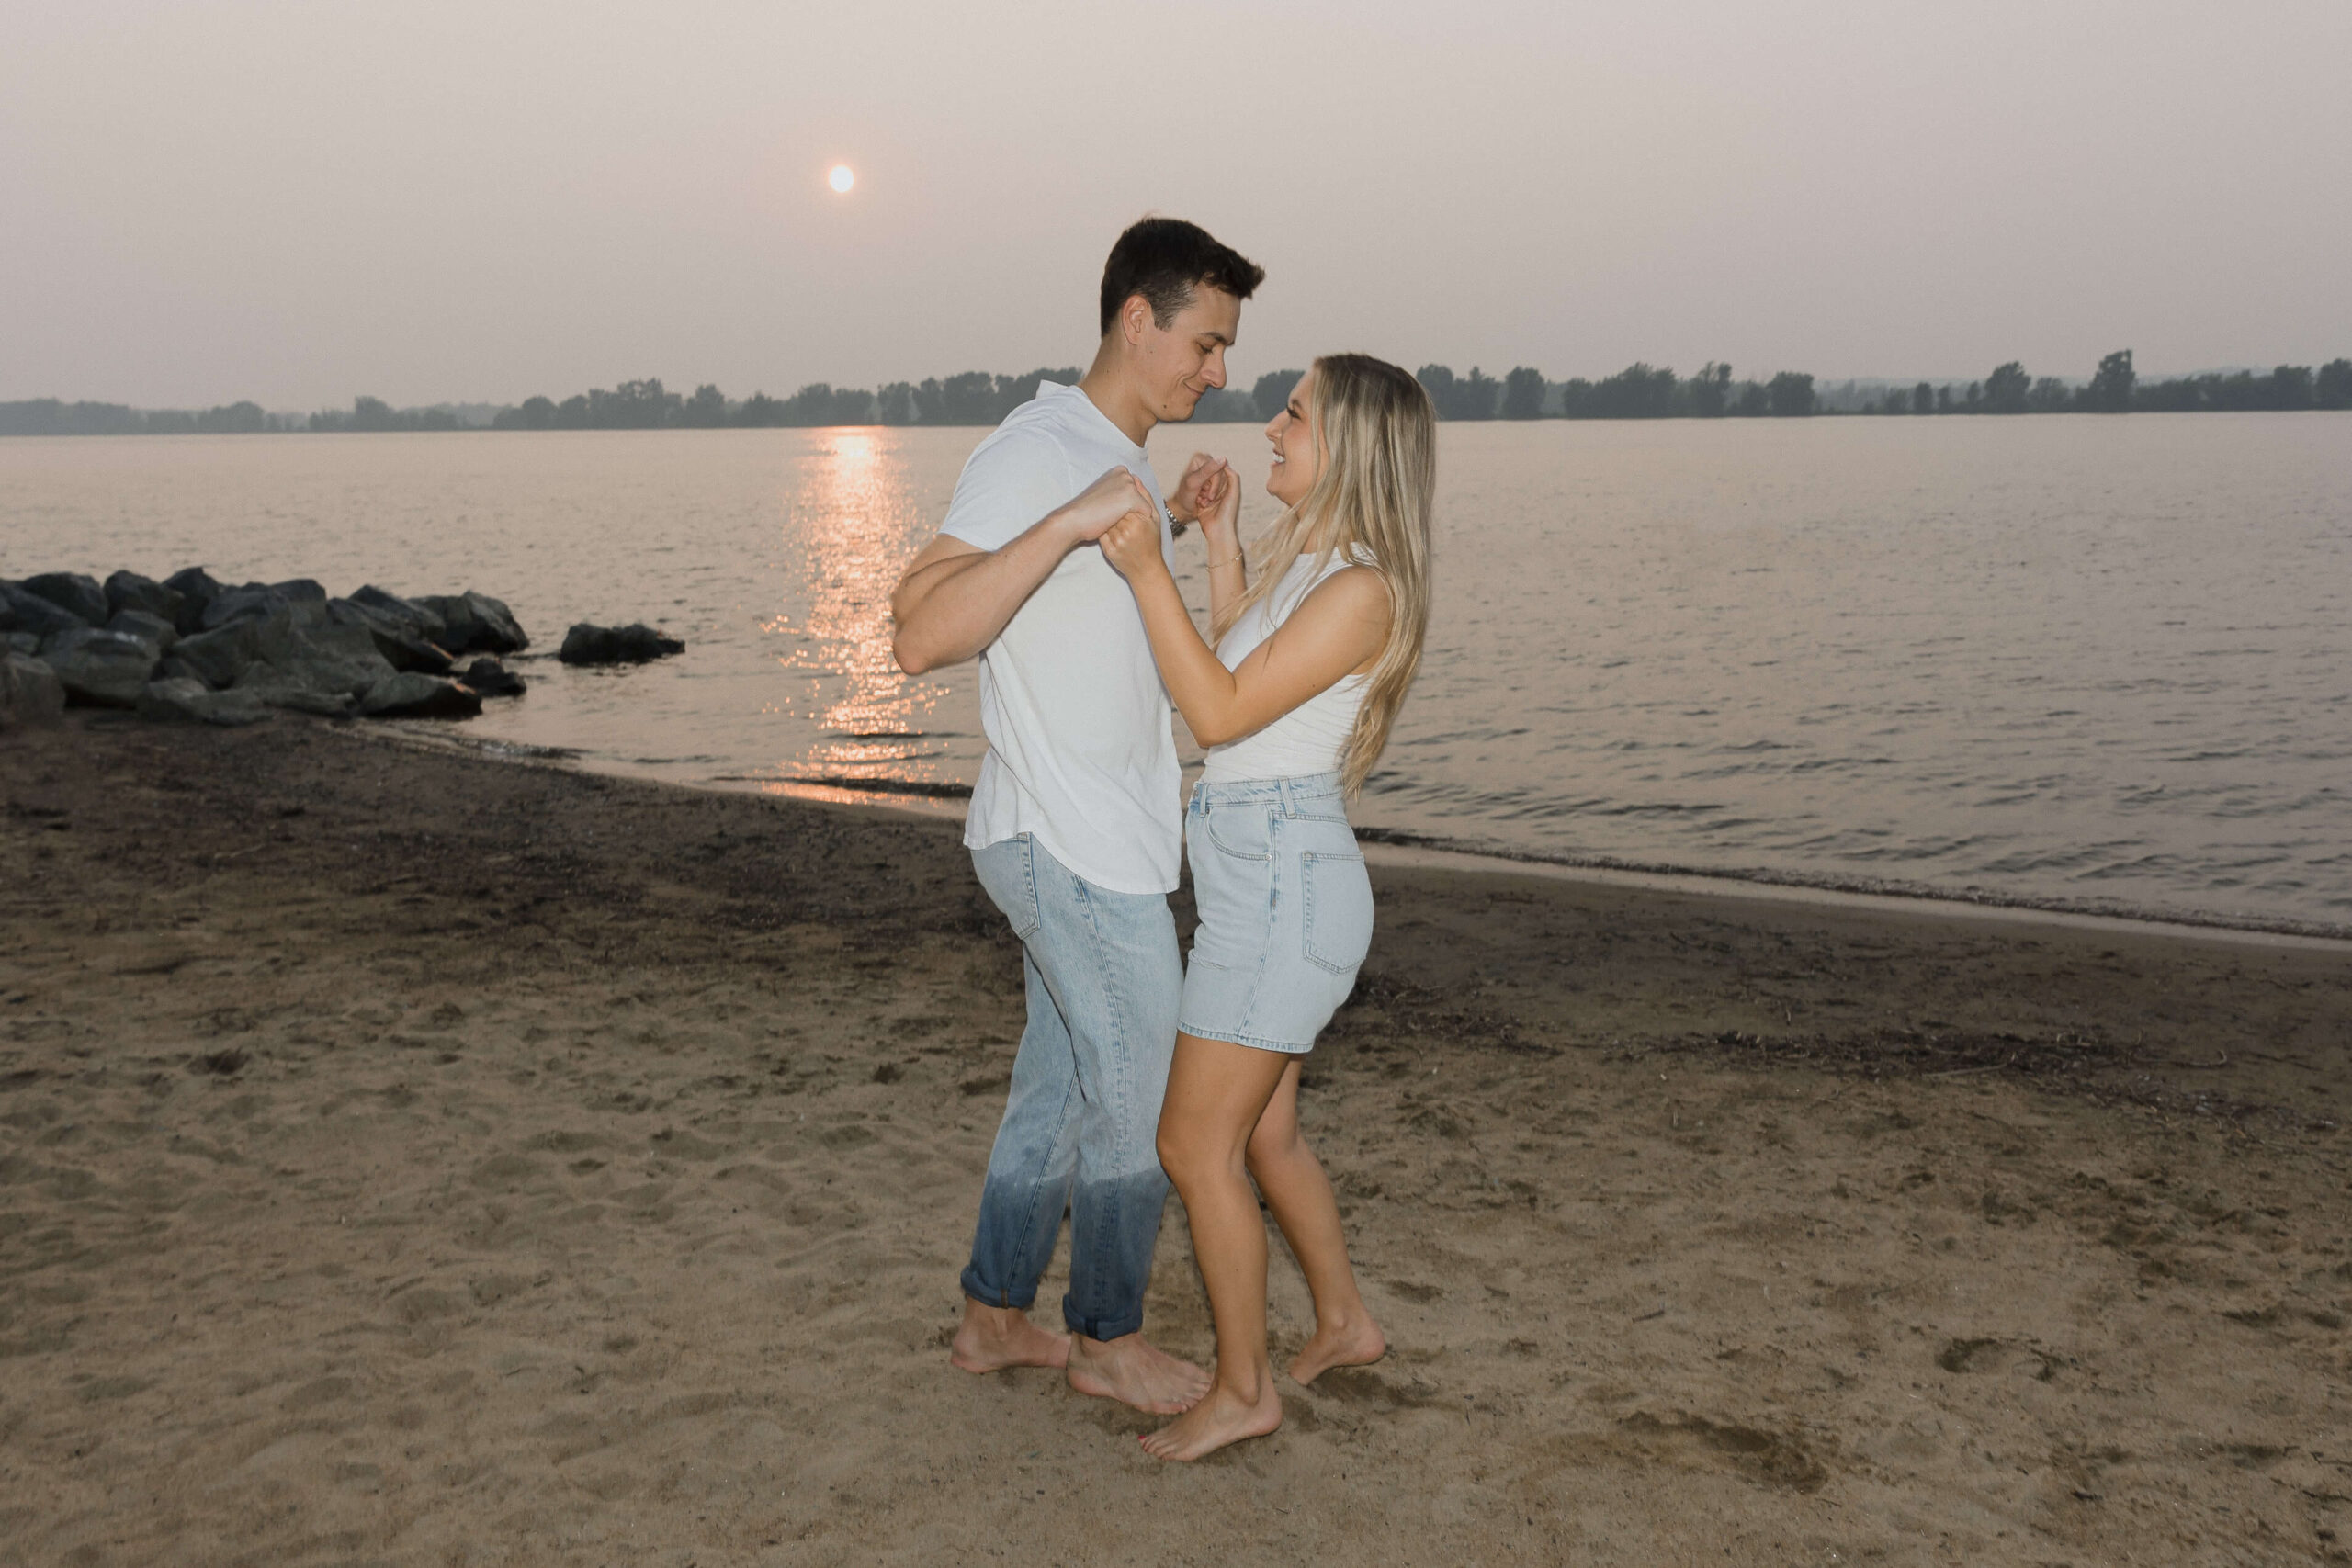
pixel 411 1157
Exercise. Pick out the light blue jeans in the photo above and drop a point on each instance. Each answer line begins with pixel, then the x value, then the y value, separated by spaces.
pixel 1082 1121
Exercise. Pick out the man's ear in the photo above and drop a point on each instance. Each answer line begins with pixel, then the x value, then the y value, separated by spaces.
pixel 1135 318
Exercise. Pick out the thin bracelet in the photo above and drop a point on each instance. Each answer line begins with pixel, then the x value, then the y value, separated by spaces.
pixel 1237 556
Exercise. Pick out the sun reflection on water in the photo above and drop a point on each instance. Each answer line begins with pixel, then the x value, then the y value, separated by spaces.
pixel 852 520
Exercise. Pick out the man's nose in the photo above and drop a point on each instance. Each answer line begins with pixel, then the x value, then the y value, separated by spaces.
pixel 1216 368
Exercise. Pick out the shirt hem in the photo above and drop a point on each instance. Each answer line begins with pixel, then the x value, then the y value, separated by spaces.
pixel 978 838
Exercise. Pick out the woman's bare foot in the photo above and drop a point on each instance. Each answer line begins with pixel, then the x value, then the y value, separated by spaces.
pixel 1356 1343
pixel 993 1338
pixel 1223 1417
pixel 1136 1372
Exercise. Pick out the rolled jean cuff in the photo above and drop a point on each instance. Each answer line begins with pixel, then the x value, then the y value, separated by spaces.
pixel 1103 1327
pixel 979 1289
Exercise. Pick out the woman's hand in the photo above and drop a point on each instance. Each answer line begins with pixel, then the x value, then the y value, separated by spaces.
pixel 1132 544
pixel 1101 503
pixel 1221 508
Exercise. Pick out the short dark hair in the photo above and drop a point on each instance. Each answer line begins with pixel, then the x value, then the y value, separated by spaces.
pixel 1164 259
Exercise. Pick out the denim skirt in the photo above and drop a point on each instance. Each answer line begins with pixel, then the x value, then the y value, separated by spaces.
pixel 1285 911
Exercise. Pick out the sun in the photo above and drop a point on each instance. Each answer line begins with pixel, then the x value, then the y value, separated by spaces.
pixel 841 177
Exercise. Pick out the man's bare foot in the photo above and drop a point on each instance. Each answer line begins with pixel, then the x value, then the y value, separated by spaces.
pixel 1357 1343
pixel 993 1338
pixel 1134 1372
pixel 1223 1417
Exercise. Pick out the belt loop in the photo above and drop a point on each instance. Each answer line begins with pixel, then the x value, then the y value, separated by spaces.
pixel 1290 796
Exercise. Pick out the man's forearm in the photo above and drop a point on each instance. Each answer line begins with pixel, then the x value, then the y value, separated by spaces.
pixel 951 609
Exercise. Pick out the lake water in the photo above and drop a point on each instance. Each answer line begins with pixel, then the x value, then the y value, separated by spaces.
pixel 2091 663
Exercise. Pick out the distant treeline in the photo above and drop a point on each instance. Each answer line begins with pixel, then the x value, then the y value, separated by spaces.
pixel 2116 388
pixel 973 397
pixel 48 416
pixel 977 397
pixel 1644 391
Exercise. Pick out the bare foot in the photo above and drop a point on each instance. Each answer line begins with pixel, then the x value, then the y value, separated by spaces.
pixel 993 1338
pixel 1223 1417
pixel 1356 1344
pixel 1134 1372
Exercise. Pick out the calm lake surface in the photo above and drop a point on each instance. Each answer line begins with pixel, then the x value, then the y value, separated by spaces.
pixel 2095 663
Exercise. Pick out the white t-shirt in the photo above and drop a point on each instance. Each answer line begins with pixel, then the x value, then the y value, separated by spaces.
pixel 1312 738
pixel 1080 752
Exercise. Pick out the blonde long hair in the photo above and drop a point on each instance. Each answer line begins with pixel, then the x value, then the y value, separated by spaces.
pixel 1372 496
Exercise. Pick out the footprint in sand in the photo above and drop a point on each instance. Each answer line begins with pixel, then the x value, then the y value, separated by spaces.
pixel 1995 1356
pixel 1364 1387
pixel 504 1172
pixel 1773 1458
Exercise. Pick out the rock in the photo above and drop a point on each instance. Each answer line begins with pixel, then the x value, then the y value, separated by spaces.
pixel 217 657
pixel 333 658
pixel 196 589
pixel 261 602
pixel 147 628
pixel 25 643
pixel 476 623
pixel 328 657
pixel 30 692
pixel 300 591
pixel 100 669
pixel 586 644
pixel 76 594
pixel 410 695
pixel 128 590
pixel 23 612
pixel 402 641
pixel 175 697
pixel 190 702
pixel 423 620
pixel 488 678
pixel 285 689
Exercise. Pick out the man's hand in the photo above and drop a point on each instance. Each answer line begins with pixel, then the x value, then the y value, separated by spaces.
pixel 1205 479
pixel 1221 514
pixel 1090 513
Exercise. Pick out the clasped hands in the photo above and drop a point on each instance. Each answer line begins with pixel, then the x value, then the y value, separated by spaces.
pixel 1117 512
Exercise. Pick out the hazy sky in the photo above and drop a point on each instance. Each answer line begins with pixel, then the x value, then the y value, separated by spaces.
pixel 466 199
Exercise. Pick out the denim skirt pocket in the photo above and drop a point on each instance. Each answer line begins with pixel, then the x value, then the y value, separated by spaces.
pixel 1337 895
pixel 1235 895
pixel 1245 832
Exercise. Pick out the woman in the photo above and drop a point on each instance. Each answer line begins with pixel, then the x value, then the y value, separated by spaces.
pixel 1295 704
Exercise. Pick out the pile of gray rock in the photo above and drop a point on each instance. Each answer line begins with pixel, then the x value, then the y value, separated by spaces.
pixel 191 648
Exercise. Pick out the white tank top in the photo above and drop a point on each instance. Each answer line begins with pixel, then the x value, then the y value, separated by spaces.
pixel 1309 738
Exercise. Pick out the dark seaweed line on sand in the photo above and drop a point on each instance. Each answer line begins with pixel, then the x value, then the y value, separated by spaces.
pixel 2108 909
pixel 842 780
pixel 2100 1069
pixel 2090 1064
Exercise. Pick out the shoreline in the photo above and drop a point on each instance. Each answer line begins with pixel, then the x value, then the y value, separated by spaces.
pixel 413 1158
pixel 1396 847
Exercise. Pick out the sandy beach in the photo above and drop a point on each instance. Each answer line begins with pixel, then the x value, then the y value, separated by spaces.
pixel 408 1156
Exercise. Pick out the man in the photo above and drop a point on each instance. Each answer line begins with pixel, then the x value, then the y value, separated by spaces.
pixel 1075 825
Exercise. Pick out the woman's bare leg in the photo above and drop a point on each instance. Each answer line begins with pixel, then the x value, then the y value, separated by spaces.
pixel 1216 1091
pixel 1299 1195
